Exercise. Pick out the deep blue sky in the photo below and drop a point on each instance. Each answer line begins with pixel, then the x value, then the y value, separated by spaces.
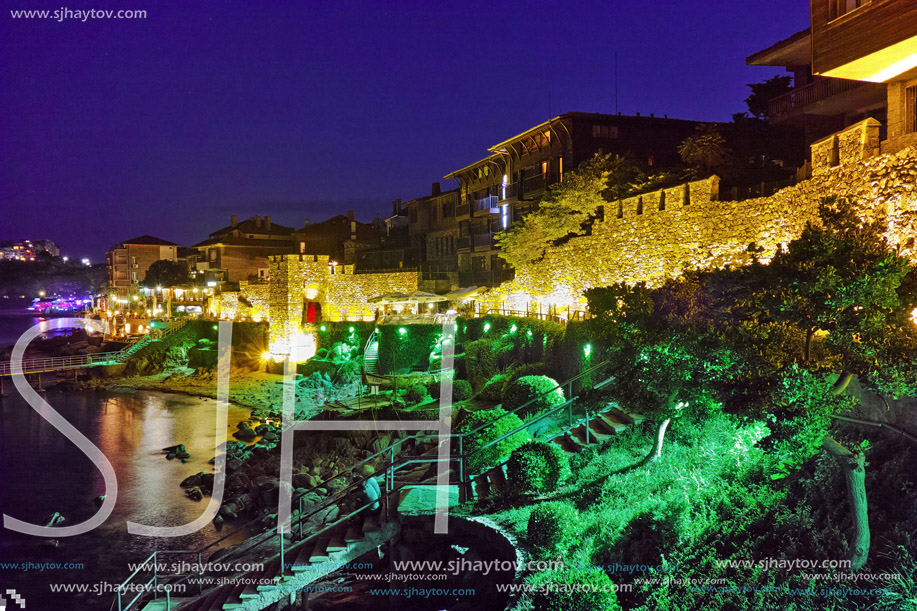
pixel 113 128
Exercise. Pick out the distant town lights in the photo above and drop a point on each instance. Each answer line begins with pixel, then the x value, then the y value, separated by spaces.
pixel 84 261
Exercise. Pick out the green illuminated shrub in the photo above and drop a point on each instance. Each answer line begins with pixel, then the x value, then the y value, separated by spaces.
pixel 537 467
pixel 537 389
pixel 415 394
pixel 590 596
pixel 483 359
pixel 491 430
pixel 493 389
pixel 553 527
pixel 461 390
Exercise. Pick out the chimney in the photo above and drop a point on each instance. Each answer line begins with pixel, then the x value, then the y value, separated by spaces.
pixel 267 223
pixel 396 207
pixel 436 189
pixel 638 114
pixel 307 224
pixel 350 215
pixel 652 114
pixel 258 221
pixel 233 220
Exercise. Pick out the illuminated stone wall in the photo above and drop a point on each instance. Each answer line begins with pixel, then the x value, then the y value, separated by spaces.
pixel 250 302
pixel 343 295
pixel 702 233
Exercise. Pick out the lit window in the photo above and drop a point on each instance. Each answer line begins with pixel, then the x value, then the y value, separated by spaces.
pixel 544 167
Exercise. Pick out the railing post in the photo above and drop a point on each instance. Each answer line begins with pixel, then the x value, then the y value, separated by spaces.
pixel 587 425
pixel 570 411
pixel 282 557
pixel 461 460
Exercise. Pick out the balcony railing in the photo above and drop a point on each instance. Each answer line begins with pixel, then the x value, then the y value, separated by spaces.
pixel 463 243
pixel 483 241
pixel 490 204
pixel 463 210
pixel 798 99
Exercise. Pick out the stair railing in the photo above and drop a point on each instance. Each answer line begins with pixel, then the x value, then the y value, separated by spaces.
pixel 392 468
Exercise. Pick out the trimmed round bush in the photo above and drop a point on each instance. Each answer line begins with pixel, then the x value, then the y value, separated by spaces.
pixel 553 526
pixel 493 390
pixel 586 591
pixel 461 390
pixel 416 394
pixel 489 457
pixel 537 467
pixel 536 389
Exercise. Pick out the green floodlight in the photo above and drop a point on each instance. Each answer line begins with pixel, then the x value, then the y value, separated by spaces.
pixel 514 328
pixel 323 328
pixel 351 329
pixel 587 350
pixel 402 330
pixel 529 333
pixel 215 327
pixel 486 327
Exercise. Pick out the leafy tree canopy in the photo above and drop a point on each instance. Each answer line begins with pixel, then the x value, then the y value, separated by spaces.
pixel 166 273
pixel 764 92
pixel 568 208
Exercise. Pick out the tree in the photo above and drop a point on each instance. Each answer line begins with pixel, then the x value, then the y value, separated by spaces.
pixel 842 278
pixel 166 273
pixel 568 208
pixel 764 92
pixel 705 150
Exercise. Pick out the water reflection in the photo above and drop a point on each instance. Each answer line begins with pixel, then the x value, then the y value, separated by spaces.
pixel 42 472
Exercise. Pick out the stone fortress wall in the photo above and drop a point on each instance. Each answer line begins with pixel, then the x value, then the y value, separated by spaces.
pixel 343 295
pixel 659 235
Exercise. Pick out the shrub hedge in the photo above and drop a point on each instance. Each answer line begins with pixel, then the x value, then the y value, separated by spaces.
pixel 553 527
pixel 537 467
pixel 591 595
pixel 415 394
pixel 406 347
pixel 538 390
pixel 485 459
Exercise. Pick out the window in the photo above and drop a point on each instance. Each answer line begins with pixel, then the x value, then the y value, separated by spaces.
pixel 544 167
pixel 910 109
pixel 604 131
pixel 836 8
pixel 448 209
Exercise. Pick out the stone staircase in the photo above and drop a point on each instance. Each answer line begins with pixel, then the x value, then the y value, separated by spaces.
pixel 371 354
pixel 603 425
pixel 316 557
pixel 271 587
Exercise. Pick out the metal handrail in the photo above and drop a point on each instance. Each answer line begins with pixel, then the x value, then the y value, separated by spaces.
pixel 389 476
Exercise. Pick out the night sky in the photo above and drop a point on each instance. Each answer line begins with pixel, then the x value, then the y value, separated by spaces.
pixel 111 129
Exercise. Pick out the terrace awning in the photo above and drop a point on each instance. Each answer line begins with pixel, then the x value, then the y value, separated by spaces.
pixel 462 294
pixel 389 298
